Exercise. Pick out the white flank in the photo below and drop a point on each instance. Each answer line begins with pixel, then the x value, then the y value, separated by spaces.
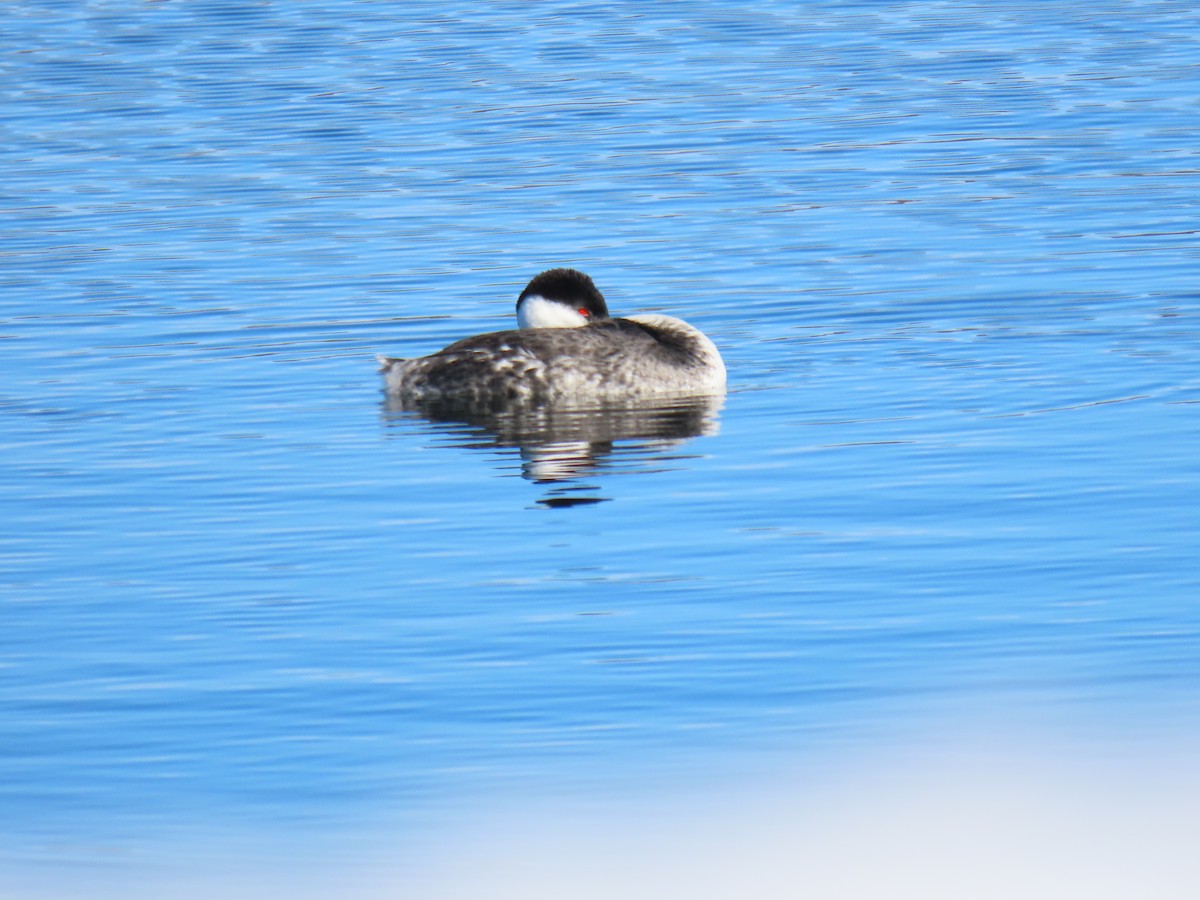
pixel 713 369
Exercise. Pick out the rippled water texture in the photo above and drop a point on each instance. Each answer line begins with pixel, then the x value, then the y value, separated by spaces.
pixel 257 622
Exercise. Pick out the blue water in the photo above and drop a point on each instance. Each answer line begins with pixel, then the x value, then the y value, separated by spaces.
pixel 949 253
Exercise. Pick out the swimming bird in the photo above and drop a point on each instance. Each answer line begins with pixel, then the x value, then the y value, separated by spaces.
pixel 566 348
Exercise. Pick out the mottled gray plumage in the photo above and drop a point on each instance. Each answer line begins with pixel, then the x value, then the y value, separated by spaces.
pixel 602 359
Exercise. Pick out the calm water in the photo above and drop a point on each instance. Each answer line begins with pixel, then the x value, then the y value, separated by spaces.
pixel 949 252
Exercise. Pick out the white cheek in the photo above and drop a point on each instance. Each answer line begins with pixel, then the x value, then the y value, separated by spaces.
pixel 535 311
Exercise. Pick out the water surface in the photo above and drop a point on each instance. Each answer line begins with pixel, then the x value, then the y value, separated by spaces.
pixel 948 252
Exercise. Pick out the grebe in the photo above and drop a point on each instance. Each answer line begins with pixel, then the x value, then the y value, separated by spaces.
pixel 566 349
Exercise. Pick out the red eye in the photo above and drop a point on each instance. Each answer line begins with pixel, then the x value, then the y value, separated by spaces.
pixel 583 312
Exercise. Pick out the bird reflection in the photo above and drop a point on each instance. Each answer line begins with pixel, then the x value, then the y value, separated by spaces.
pixel 561 445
